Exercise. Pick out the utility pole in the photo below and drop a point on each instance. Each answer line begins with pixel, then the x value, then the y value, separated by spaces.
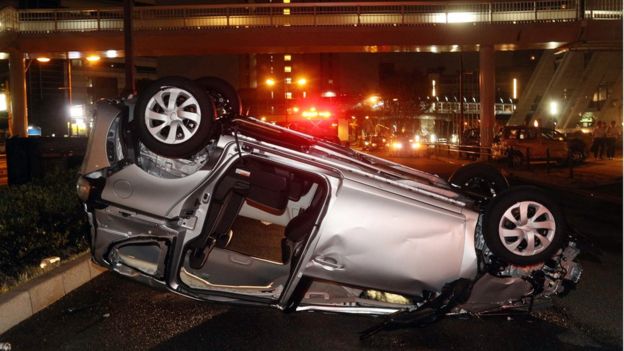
pixel 129 48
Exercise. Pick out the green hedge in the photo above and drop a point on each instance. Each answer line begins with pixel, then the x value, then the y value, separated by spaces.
pixel 38 220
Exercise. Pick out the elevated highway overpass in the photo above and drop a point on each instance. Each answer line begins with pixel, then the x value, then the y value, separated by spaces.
pixel 410 26
pixel 314 27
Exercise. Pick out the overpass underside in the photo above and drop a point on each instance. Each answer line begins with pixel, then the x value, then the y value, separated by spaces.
pixel 369 39
pixel 405 26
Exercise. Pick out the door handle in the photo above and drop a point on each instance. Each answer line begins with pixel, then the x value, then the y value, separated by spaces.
pixel 328 263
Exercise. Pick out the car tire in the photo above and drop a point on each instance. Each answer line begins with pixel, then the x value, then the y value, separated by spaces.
pixel 480 178
pixel 577 156
pixel 516 158
pixel 179 128
pixel 522 226
pixel 226 99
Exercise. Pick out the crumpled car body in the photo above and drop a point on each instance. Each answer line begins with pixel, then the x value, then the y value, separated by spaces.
pixel 355 233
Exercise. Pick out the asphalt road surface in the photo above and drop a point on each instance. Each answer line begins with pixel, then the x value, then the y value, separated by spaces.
pixel 112 313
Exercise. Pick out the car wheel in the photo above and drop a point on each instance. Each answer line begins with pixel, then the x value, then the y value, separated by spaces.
pixel 226 99
pixel 577 156
pixel 516 157
pixel 481 179
pixel 522 226
pixel 174 117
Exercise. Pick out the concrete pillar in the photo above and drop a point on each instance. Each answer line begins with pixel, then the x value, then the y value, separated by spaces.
pixel 487 91
pixel 18 120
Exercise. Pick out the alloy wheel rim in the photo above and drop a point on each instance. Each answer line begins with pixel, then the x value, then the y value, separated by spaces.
pixel 172 115
pixel 527 228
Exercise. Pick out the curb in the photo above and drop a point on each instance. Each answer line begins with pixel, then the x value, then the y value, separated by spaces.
pixel 26 300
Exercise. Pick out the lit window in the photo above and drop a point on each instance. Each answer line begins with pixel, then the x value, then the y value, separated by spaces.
pixel 287 58
pixel 286 12
pixel 288 95
pixel 286 1
pixel 288 80
pixel 287 69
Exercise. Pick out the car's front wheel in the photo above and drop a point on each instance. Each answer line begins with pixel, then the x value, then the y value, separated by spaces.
pixel 523 226
pixel 174 117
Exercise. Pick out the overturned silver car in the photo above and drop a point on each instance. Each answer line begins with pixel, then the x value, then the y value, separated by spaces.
pixel 186 194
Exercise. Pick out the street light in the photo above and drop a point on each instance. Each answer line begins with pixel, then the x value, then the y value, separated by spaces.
pixel 3 102
pixel 93 58
pixel 269 82
pixel 553 108
pixel 301 82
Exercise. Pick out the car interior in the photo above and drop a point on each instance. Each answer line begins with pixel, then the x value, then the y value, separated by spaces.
pixel 273 201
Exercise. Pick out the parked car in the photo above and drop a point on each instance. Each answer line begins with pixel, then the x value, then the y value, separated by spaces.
pixel 537 144
pixel 374 143
pixel 172 189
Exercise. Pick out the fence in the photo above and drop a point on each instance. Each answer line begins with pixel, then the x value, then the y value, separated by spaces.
pixel 308 14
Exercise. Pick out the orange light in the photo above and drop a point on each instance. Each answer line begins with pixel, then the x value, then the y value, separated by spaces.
pixel 43 59
pixel 302 81
pixel 373 99
pixel 93 58
pixel 295 109
pixel 270 82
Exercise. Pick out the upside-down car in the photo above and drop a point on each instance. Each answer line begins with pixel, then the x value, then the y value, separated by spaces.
pixel 185 193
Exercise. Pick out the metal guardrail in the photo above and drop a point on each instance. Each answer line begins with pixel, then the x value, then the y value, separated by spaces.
pixel 308 14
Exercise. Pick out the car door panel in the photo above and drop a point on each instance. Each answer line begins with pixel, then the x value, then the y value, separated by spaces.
pixel 418 247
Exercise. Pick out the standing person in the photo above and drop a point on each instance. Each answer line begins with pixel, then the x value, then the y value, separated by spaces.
pixel 610 137
pixel 599 140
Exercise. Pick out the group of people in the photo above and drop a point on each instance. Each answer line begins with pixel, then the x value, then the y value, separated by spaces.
pixel 606 137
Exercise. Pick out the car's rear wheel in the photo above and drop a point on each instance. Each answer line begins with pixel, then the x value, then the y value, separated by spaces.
pixel 522 226
pixel 480 179
pixel 174 117
pixel 226 99
pixel 517 158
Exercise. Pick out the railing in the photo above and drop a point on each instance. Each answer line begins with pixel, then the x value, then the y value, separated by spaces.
pixel 470 108
pixel 308 14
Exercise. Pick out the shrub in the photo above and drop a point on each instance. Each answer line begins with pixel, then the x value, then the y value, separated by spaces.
pixel 37 220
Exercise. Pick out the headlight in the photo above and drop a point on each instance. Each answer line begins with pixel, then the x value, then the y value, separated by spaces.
pixel 83 188
pixel 374 144
pixel 366 143
pixel 397 146
pixel 433 138
pixel 417 138
pixel 416 146
pixel 454 138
